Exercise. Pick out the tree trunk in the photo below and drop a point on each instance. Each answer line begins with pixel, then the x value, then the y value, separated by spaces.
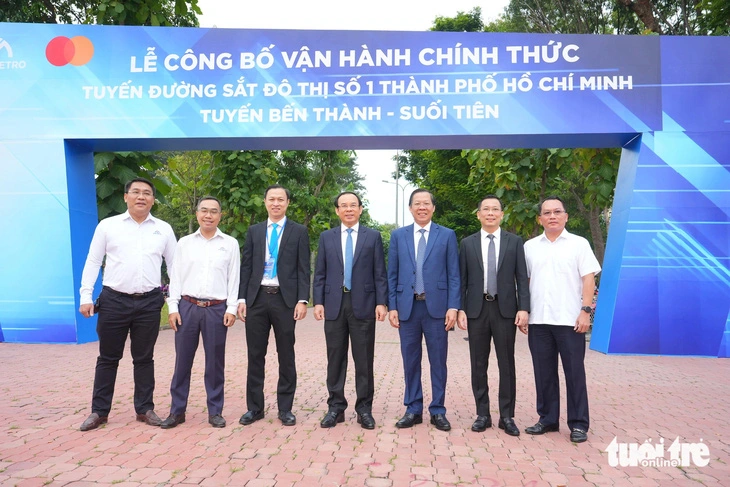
pixel 644 10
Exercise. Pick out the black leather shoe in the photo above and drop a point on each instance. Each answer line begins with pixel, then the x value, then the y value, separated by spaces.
pixel 440 422
pixel 251 417
pixel 509 426
pixel 93 422
pixel 481 424
pixel 287 418
pixel 331 419
pixel 541 429
pixel 150 417
pixel 408 420
pixel 172 420
pixel 366 420
pixel 216 421
pixel 578 435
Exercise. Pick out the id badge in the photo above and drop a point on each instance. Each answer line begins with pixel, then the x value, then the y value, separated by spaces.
pixel 269 268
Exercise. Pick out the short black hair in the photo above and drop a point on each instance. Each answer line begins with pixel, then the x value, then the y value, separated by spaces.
pixel 140 180
pixel 550 198
pixel 490 197
pixel 337 198
pixel 206 198
pixel 278 186
pixel 421 190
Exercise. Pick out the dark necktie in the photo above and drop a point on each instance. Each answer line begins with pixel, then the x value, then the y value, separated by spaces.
pixel 348 259
pixel 491 267
pixel 420 255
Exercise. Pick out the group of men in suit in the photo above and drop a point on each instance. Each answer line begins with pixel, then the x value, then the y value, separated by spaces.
pixel 428 288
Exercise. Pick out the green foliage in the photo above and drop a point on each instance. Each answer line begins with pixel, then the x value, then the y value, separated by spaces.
pixel 115 169
pixel 470 21
pixel 181 13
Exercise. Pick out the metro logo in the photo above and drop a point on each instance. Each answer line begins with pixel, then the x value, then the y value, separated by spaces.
pixel 77 51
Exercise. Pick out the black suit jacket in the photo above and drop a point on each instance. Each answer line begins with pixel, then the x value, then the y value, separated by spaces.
pixel 369 278
pixel 292 266
pixel 512 284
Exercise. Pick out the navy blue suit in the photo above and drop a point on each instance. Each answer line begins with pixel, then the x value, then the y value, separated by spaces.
pixel 424 318
pixel 350 315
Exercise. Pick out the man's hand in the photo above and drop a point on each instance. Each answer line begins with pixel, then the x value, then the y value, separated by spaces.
pixel 300 311
pixel 583 322
pixel 450 320
pixel 242 311
pixel 461 320
pixel 229 319
pixel 393 318
pixel 174 320
pixel 86 310
pixel 521 321
pixel 380 312
pixel 318 312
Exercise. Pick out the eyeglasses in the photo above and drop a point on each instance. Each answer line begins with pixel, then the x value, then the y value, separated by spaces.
pixel 136 192
pixel 353 206
pixel 554 212
pixel 422 204
pixel 491 210
pixel 207 211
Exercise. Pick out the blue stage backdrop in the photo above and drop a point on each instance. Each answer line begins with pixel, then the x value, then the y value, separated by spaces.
pixel 70 90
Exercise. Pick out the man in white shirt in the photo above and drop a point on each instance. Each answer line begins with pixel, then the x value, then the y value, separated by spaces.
pixel 134 245
pixel 561 267
pixel 203 300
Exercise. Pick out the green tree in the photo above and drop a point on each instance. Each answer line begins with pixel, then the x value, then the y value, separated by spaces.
pixel 182 13
pixel 470 21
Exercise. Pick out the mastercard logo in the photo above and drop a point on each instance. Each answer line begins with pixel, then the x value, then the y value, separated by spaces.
pixel 76 51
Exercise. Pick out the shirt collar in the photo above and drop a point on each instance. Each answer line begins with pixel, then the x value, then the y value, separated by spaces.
pixel 218 233
pixel 281 222
pixel 150 218
pixel 565 234
pixel 497 233
pixel 427 227
pixel 355 227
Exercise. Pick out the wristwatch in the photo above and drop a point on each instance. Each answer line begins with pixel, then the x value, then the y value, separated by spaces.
pixel 587 309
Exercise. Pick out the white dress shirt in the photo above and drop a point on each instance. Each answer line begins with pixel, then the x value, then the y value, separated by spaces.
pixel 485 252
pixel 280 229
pixel 417 235
pixel 206 269
pixel 134 253
pixel 555 270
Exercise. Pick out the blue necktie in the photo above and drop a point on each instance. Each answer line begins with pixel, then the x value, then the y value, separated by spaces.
pixel 491 267
pixel 348 259
pixel 274 247
pixel 420 251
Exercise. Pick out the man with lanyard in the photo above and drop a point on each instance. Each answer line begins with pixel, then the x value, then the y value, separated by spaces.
pixel 274 292
pixel 134 245
pixel 203 300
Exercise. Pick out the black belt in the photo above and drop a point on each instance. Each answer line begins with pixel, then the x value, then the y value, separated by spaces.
pixel 489 297
pixel 134 295
pixel 270 289
pixel 420 297
pixel 203 303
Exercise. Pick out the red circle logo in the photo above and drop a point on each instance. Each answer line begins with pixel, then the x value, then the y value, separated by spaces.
pixel 76 51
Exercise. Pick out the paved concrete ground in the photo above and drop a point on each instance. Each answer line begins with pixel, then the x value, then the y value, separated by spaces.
pixel 45 392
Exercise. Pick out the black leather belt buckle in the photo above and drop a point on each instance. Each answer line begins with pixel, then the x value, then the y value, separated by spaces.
pixel 420 297
pixel 489 297
pixel 270 289
pixel 345 290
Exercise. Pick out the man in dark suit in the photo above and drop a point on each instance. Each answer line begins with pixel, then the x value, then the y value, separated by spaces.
pixel 274 292
pixel 350 292
pixel 495 302
pixel 423 297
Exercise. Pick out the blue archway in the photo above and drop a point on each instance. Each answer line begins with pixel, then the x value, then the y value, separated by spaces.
pixel 70 90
